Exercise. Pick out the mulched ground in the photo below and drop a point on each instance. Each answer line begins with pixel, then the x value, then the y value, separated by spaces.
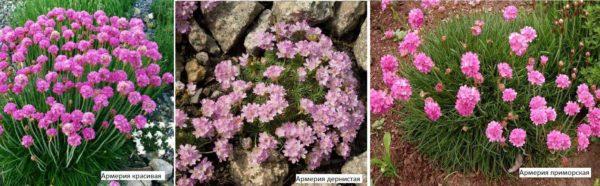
pixel 414 168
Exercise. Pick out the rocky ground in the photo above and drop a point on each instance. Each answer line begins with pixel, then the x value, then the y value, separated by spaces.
pixel 6 9
pixel 229 30
pixel 414 168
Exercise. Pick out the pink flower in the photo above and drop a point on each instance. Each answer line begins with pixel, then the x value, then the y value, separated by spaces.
pixel 582 142
pixel 384 4
pixel 223 149
pixel 494 132
pixel 537 102
pixel 510 13
pixel 505 70
pixel 518 43
pixel 389 78
pixel 572 108
pixel 74 140
pixel 388 63
pixel 429 3
pixel 27 141
pixel 541 116
pixel 409 44
pixel 432 109
pixel 273 72
pixel 476 30
pixel 401 89
pixel 535 77
pixel 423 63
pixel 584 96
pixel 562 81
pixel 529 34
pixel 543 59
pixel 389 34
pixel 558 141
pixel 466 100
pixel 415 18
pixel 584 129
pixel 380 102
pixel 469 64
pixel 509 95
pixel 517 137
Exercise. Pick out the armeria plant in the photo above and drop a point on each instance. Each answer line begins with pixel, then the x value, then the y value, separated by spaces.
pixel 73 85
pixel 299 99
pixel 489 88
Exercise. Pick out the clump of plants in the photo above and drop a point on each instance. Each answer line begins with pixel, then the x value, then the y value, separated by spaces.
pixel 74 86
pixel 480 91
pixel 297 99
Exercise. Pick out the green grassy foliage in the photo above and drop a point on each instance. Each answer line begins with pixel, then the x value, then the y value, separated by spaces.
pixel 459 143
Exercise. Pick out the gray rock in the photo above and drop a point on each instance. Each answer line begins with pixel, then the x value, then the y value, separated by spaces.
pixel 201 41
pixel 195 71
pixel 179 65
pixel 357 165
pixel 347 16
pixel 202 58
pixel 314 12
pixel 228 21
pixel 162 165
pixel 270 172
pixel 138 183
pixel 196 97
pixel 261 25
pixel 360 48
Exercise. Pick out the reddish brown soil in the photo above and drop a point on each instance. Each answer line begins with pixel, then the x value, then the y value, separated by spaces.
pixel 412 167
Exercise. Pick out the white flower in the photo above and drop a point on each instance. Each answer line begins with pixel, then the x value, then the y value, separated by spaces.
pixel 158 134
pixel 151 125
pixel 171 142
pixel 149 135
pixel 161 125
pixel 159 142
pixel 161 152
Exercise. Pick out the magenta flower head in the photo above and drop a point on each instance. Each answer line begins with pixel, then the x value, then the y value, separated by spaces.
pixel 494 132
pixel 415 18
pixel 469 64
pixel 509 95
pixel 466 100
pixel 27 141
pixel 517 137
pixel 505 70
pixel 510 13
pixel 432 109
pixel 558 141
pixel 409 44
pixel 388 64
pixel 423 63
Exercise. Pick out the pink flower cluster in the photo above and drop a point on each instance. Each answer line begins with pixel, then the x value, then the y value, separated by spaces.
pixel 539 113
pixel 519 42
pixel 415 18
pixel 505 70
pixel 75 52
pixel 409 44
pixel 183 14
pixel 432 109
pixel 558 141
pixel 494 132
pixel 380 101
pixel 510 13
pixel 423 63
pixel 333 125
pixel 469 65
pixel 191 161
pixel 477 28
pixel 466 100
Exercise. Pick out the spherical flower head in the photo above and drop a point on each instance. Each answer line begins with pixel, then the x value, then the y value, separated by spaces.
pixel 88 134
pixel 380 101
pixel 529 34
pixel 389 34
pixel 432 109
pixel 273 72
pixel 423 63
pixel 537 102
pixel 494 132
pixel 27 141
pixel 294 150
pixel 572 108
pixel 187 155
pixel 202 127
pixel 535 77
pixel 74 140
pixel 476 30
pixel 584 129
pixel 409 44
pixel 203 171
pixel 510 13
pixel 401 89
pixel 505 70
pixel 389 78
pixel 469 64
pixel 582 142
pixel 285 49
pixel 466 100
pixel 518 43
pixel 385 3
pixel 509 95
pixel 225 71
pixel 388 64
pixel 562 81
pixel 593 116
pixel 140 121
pixel 415 18
pixel 584 96
pixel 558 141
pixel 223 149
pixel 517 137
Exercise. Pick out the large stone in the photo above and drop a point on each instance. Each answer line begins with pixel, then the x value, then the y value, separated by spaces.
pixel 195 71
pixel 360 48
pixel 347 16
pixel 202 58
pixel 261 25
pixel 357 165
pixel 271 172
pixel 138 183
pixel 229 20
pixel 201 41
pixel 314 12
pixel 162 165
